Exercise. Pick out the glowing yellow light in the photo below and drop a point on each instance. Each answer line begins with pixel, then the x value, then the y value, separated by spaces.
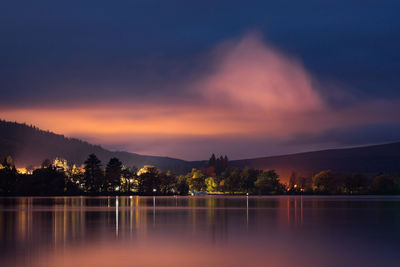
pixel 20 170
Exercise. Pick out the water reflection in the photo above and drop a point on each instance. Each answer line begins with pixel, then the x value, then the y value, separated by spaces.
pixel 282 231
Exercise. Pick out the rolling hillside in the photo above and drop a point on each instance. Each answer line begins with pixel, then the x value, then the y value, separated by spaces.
pixel 29 145
pixel 368 159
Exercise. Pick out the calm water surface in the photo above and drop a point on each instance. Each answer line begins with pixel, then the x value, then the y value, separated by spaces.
pixel 200 231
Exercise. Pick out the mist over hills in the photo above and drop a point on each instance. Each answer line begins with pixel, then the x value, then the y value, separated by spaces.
pixel 29 145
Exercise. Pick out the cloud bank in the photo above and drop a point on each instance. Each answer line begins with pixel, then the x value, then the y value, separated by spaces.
pixel 253 97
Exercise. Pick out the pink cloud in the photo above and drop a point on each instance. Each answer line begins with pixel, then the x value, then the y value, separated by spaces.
pixel 254 92
pixel 252 74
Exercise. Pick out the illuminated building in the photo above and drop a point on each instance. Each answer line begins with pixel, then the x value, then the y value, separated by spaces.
pixel 22 171
pixel 77 170
pixel 60 164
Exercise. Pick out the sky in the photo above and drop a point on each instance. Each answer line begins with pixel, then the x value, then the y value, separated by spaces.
pixel 189 78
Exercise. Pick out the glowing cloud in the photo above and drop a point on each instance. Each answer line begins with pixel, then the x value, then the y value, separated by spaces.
pixel 253 74
pixel 254 94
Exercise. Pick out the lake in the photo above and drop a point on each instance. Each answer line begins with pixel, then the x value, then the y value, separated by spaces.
pixel 200 231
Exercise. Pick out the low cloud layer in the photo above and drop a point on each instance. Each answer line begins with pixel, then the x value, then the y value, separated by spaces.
pixel 253 97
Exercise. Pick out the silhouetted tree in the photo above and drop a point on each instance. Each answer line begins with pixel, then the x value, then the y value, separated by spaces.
pixel 8 176
pixel 355 183
pixel 149 182
pixel 293 186
pixel 220 164
pixel 212 161
pixel 72 188
pixel 129 176
pixel 385 184
pixel 234 182
pixel 327 182
pixel 182 186
pixel 46 163
pixel 268 183
pixel 167 183
pixel 226 162
pixel 43 181
pixel 113 175
pixel 249 176
pixel 94 177
pixel 305 184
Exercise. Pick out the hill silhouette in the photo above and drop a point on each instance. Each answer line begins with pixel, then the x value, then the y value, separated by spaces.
pixel 368 159
pixel 28 145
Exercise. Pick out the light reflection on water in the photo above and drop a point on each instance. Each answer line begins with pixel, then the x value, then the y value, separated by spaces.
pixel 200 231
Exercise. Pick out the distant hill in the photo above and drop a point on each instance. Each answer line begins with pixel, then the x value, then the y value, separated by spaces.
pixel 369 160
pixel 29 145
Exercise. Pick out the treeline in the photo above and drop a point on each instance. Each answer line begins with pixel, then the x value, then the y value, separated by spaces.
pixel 217 178
pixel 329 182
pixel 93 179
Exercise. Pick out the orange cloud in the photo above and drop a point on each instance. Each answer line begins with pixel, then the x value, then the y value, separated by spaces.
pixel 147 119
pixel 254 92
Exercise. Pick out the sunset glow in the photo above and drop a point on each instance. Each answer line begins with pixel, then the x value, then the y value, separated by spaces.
pixel 254 92
pixel 199 133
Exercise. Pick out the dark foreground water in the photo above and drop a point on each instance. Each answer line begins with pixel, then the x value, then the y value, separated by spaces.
pixel 200 231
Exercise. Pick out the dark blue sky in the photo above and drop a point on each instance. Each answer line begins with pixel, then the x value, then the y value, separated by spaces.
pixel 56 52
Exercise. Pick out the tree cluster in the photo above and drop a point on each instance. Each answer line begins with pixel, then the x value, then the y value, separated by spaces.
pixel 217 178
pixel 331 183
pixel 217 165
